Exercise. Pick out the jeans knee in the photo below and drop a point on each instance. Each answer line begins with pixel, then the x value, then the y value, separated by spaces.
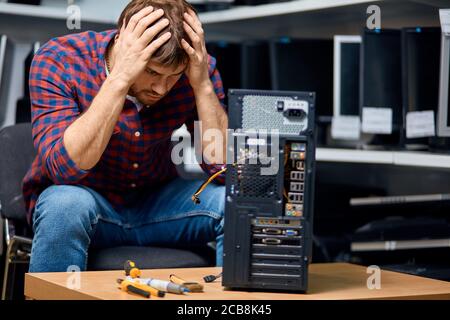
pixel 64 208
pixel 217 199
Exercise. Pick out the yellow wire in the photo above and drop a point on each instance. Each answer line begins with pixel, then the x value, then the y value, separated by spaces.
pixel 204 184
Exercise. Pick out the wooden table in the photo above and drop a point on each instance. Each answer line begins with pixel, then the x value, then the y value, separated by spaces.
pixel 326 281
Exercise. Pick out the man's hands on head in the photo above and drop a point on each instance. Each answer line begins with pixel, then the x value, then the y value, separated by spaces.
pixel 136 44
pixel 210 112
pixel 87 137
pixel 197 70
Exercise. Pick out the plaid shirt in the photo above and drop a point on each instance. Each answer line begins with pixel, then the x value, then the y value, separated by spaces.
pixel 65 76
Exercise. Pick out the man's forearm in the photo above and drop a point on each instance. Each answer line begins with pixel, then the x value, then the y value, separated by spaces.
pixel 212 116
pixel 86 138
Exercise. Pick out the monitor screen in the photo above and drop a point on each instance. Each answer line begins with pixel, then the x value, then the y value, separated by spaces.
pixel 305 65
pixel 381 71
pixel 228 57
pixel 256 65
pixel 346 75
pixel 421 54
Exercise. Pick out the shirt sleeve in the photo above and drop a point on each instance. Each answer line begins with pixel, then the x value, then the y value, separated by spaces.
pixel 53 109
pixel 214 74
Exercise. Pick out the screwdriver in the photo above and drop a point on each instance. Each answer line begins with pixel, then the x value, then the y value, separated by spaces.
pixel 131 269
pixel 161 285
pixel 141 286
pixel 129 287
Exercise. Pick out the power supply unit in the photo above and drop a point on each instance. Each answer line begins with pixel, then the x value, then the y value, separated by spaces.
pixel 269 190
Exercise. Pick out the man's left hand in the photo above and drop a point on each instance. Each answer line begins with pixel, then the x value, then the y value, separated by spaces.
pixel 197 70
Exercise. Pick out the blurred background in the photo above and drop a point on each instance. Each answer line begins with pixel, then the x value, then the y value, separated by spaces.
pixel 380 70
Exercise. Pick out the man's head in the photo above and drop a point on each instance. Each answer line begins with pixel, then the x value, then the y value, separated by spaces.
pixel 170 60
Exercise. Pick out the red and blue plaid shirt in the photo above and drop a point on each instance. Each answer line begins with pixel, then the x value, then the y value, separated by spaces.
pixel 65 76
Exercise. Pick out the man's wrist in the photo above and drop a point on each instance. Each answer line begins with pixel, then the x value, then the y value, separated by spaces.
pixel 118 83
pixel 204 88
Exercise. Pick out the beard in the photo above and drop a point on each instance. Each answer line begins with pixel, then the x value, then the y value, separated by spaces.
pixel 145 97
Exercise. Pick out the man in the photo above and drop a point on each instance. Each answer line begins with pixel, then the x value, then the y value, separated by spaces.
pixel 104 106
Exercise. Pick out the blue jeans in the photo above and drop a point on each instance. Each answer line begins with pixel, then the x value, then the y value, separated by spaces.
pixel 68 220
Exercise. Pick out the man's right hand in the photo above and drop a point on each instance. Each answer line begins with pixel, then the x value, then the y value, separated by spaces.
pixel 135 44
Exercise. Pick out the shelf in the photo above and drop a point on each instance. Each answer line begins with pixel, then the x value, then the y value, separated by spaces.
pixel 354 156
pixel 47 12
pixel 275 9
pixel 400 158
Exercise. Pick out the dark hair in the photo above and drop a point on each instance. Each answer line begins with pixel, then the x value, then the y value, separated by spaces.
pixel 170 53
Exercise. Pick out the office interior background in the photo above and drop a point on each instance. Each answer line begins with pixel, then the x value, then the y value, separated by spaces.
pixel 382 193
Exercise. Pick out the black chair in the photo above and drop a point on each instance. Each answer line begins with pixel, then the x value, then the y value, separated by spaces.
pixel 16 154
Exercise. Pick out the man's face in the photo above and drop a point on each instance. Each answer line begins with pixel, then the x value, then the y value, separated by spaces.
pixel 155 82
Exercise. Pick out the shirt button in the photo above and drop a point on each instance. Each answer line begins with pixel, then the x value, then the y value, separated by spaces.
pixel 133 185
pixel 137 134
pixel 135 165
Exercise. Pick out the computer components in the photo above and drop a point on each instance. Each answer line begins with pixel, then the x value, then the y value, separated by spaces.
pixel 269 190
pixel 420 71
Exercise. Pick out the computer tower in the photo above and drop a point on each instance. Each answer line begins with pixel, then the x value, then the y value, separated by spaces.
pixel 381 86
pixel 256 65
pixel 269 190
pixel 420 71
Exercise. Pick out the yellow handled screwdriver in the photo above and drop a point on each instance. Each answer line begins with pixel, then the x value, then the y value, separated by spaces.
pixel 140 286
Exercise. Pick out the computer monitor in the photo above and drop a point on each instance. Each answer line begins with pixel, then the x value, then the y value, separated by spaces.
pixel 420 72
pixel 443 129
pixel 228 57
pixel 381 85
pixel 256 65
pixel 346 75
pixel 6 65
pixel 23 109
pixel 305 65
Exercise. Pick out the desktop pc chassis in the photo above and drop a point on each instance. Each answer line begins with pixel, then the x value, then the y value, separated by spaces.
pixel 269 218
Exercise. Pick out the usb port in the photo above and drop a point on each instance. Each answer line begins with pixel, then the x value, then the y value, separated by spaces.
pixel 295 197
pixel 297 186
pixel 299 165
pixel 297 176
pixel 297 155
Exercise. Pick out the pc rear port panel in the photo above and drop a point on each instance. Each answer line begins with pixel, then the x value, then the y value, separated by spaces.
pixel 274 253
